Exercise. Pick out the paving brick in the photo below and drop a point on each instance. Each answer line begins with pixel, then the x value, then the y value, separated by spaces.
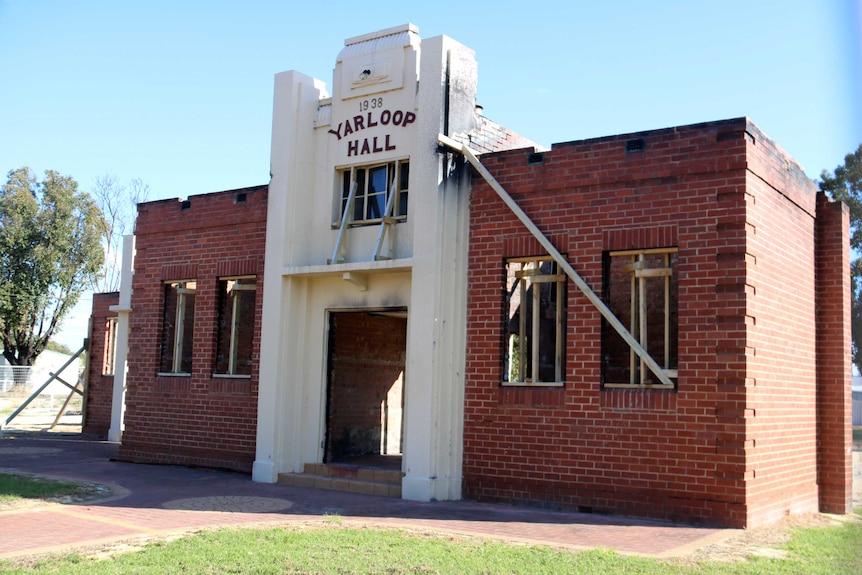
pixel 141 508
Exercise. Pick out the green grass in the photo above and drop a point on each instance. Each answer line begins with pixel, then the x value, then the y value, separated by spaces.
pixel 339 550
pixel 332 549
pixel 15 487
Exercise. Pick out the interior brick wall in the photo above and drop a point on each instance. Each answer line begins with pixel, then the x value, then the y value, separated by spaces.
pixel 198 419
pixel 100 386
pixel 367 359
pixel 712 451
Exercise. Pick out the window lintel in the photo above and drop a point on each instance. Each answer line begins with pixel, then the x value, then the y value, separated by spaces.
pixel 646 252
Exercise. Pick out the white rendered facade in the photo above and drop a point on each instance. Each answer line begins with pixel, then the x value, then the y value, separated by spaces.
pixel 392 95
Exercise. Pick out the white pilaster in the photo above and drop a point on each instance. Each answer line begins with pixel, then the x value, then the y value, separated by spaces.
pixel 123 309
pixel 436 327
pixel 296 98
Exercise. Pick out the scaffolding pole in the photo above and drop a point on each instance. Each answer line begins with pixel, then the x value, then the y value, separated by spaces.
pixel 558 257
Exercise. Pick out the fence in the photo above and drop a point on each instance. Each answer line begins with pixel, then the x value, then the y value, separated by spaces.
pixel 857 408
pixel 14 376
pixel 22 381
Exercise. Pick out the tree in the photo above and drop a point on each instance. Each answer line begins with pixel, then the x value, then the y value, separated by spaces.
pixel 845 184
pixel 59 348
pixel 50 252
pixel 118 204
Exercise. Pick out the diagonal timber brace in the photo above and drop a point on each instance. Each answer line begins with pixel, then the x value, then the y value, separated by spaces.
pixel 558 257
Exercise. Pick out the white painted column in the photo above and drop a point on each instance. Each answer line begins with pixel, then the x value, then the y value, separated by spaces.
pixel 296 98
pixel 434 389
pixel 123 309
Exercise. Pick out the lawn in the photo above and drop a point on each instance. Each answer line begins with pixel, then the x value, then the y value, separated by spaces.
pixel 15 488
pixel 339 550
pixel 332 547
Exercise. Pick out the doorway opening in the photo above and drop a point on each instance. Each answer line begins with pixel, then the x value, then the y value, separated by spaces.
pixel 365 388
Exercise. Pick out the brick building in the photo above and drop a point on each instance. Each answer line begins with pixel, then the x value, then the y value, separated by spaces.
pixel 665 332
pixel 194 330
pixel 102 364
pixel 718 254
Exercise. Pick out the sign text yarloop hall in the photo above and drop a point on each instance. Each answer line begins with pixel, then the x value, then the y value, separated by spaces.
pixel 371 116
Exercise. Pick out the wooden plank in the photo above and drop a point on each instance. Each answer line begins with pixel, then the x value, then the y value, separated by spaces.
pixel 653 273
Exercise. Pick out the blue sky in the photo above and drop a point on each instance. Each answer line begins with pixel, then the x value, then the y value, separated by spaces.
pixel 179 94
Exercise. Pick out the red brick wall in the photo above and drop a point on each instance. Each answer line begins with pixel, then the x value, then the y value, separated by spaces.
pixel 781 343
pixel 834 366
pixel 691 453
pixel 100 387
pixel 198 419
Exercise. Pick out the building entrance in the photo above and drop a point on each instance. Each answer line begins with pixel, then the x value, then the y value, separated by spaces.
pixel 365 388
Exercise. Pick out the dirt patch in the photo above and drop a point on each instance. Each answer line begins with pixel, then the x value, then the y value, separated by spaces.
pixel 763 541
pixel 42 423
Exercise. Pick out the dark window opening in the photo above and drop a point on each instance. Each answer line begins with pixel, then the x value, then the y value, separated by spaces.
pixel 236 311
pixel 534 322
pixel 641 289
pixel 178 328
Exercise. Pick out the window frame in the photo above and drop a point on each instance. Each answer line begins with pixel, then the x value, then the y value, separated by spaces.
pixel 396 170
pixel 180 332
pixel 639 323
pixel 235 318
pixel 529 324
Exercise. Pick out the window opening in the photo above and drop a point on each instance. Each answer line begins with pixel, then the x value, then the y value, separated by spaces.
pixel 535 303
pixel 372 195
pixel 237 300
pixel 178 327
pixel 110 356
pixel 641 289
pixel 375 185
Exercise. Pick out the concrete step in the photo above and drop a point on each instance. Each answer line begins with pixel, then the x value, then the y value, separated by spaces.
pixel 355 479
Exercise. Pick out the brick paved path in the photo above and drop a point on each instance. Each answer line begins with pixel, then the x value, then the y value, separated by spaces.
pixel 152 500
